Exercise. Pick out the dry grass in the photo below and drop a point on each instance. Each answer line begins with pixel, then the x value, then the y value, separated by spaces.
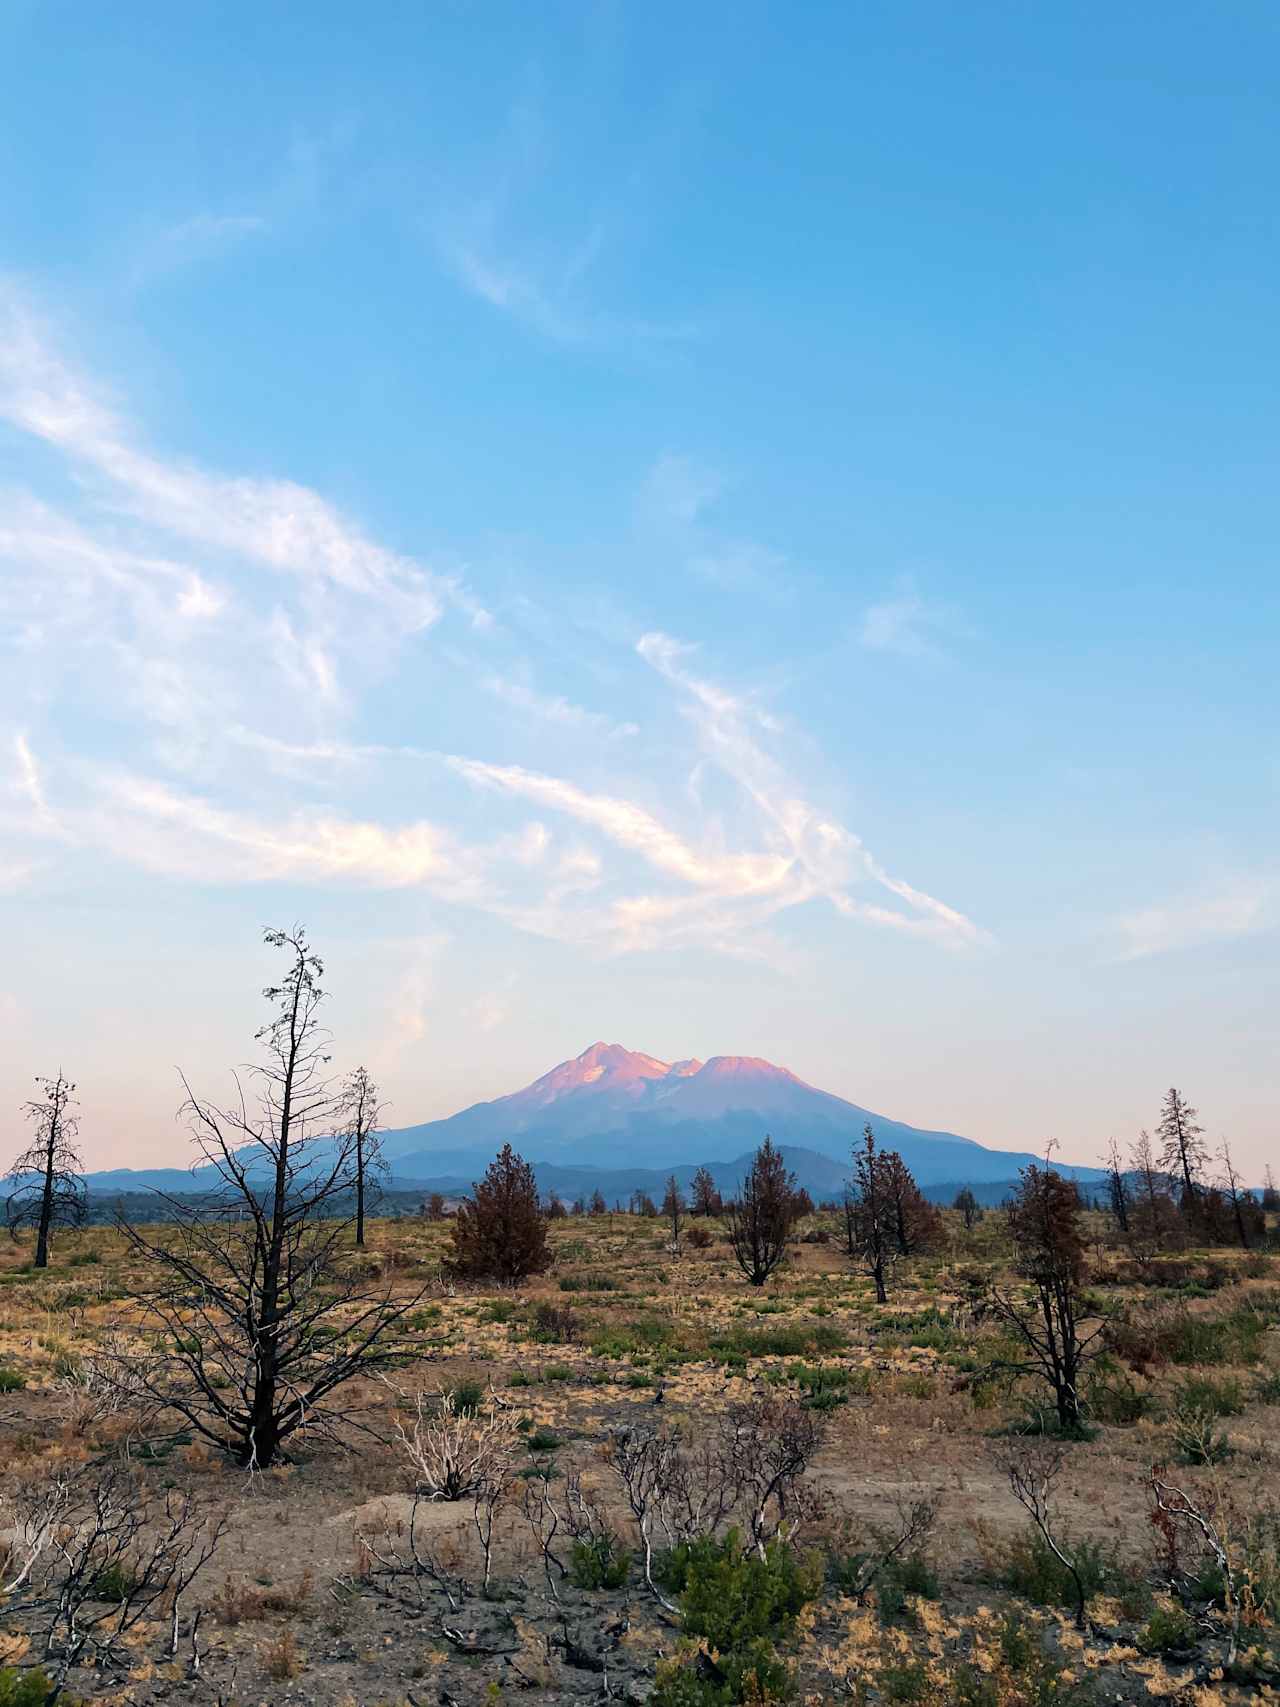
pixel 623 1331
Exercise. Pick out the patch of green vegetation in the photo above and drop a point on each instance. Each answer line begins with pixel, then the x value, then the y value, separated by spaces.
pixel 1031 1677
pixel 11 1381
pixel 498 1310
pixel 739 1606
pixel 600 1563
pixel 1170 1632
pixel 790 1339
pixel 1210 1398
pixel 466 1397
pixel 30 1689
pixel 824 1387
pixel 1033 1570
pixel 626 1339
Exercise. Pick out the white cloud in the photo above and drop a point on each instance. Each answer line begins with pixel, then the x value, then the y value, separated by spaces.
pixel 1239 907
pixel 678 489
pixel 275 522
pixel 633 827
pixel 831 857
pixel 554 708
pixel 908 624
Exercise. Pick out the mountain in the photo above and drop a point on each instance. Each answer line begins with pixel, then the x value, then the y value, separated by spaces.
pixel 610 1102
pixel 619 1121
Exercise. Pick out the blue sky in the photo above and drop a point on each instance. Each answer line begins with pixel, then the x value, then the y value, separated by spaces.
pixel 730 529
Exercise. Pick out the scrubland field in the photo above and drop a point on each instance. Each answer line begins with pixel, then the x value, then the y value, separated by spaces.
pixel 596 1407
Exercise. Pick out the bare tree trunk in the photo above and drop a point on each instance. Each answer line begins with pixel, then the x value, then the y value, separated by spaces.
pixel 46 1204
pixel 359 1191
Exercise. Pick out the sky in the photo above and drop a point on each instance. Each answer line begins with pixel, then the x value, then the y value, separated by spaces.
pixel 728 529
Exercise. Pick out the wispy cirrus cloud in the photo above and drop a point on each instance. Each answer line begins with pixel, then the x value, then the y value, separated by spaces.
pixel 278 523
pixel 554 708
pixel 832 858
pixel 227 631
pixel 909 624
pixel 676 502
pixel 1222 911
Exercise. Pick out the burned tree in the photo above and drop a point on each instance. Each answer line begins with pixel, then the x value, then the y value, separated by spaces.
pixel 1044 1223
pixel 761 1215
pixel 1248 1223
pixel 917 1226
pixel 261 1315
pixel 969 1207
pixel 363 1113
pixel 50 1190
pixel 1153 1216
pixel 1182 1150
pixel 870 1218
pixel 705 1197
pixel 1119 1197
pixel 500 1231
pixel 673 1208
pixel 94 1563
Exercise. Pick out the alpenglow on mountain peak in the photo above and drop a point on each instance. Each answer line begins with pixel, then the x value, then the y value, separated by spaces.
pixel 610 1106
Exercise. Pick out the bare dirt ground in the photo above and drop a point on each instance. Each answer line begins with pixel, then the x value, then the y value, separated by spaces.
pixel 295 1606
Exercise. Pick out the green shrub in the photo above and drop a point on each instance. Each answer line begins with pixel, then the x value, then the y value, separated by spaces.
pixel 498 1310
pixel 1195 1438
pixel 781 1339
pixel 115 1583
pixel 467 1397
pixel 1025 1675
pixel 731 1597
pixel 543 1440
pixel 29 1689
pixel 1033 1570
pixel 599 1563
pixel 644 1334
pixel 1118 1402
pixel 11 1381
pixel 1169 1632
pixel 824 1388
pixel 588 1283
pixel 1210 1398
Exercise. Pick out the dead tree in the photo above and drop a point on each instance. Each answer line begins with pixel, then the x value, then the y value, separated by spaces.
pixel 916 1520
pixel 969 1207
pixel 768 1445
pixel 1153 1216
pixel 761 1215
pixel 642 1461
pixel 705 1197
pixel 1032 1467
pixel 90 1562
pixel 1178 1511
pixel 1044 1222
pixel 1119 1197
pixel 673 1209
pixel 1182 1150
pixel 50 1188
pixel 363 1112
pixel 870 1217
pixel 261 1315
pixel 456 1453
pixel 1246 1216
